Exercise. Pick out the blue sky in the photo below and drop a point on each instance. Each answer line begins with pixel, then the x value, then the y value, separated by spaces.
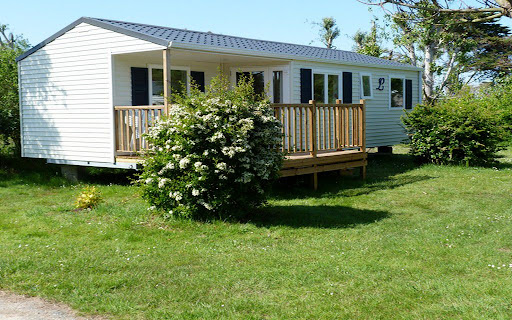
pixel 286 21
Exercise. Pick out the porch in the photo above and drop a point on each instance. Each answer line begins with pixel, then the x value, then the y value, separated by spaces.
pixel 315 137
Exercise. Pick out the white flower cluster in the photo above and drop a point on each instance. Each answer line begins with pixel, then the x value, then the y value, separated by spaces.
pixel 208 153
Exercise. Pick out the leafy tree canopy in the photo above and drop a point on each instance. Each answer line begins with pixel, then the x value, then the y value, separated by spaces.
pixel 10 47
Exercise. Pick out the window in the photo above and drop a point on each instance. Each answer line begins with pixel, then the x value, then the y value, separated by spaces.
pixel 179 83
pixel 319 87
pixel 366 86
pixel 332 88
pixel 277 86
pixel 259 80
pixel 270 81
pixel 157 86
pixel 397 93
pixel 326 87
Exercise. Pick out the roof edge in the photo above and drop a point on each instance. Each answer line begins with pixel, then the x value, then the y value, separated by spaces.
pixel 217 49
pixel 93 22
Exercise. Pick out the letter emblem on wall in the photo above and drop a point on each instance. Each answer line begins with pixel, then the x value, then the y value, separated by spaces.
pixel 381 84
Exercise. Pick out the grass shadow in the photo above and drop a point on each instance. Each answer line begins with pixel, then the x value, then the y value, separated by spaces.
pixel 299 216
pixel 106 176
pixel 384 171
pixel 17 170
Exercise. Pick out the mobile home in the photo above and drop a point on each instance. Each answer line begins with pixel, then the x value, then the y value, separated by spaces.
pixel 75 85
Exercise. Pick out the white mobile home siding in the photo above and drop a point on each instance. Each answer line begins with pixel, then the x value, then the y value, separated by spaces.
pixel 66 101
pixel 383 125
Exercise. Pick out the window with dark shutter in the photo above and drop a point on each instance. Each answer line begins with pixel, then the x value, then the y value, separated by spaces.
pixel 306 89
pixel 408 94
pixel 198 79
pixel 347 87
pixel 140 91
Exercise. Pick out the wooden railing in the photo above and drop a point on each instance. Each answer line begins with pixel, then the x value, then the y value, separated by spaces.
pixel 131 124
pixel 309 128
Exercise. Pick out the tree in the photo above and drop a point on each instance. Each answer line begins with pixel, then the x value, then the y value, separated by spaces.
pixel 441 39
pixel 458 10
pixel 490 58
pixel 328 31
pixel 10 47
pixel 368 42
pixel 9 40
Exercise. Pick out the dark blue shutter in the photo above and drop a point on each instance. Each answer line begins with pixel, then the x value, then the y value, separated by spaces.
pixel 140 91
pixel 198 79
pixel 306 87
pixel 347 87
pixel 408 94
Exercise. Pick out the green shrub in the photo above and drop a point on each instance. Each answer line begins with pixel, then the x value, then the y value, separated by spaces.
pixel 9 108
pixel 499 98
pixel 462 130
pixel 88 198
pixel 215 155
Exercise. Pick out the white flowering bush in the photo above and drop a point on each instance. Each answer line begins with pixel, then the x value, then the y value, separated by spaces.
pixel 215 155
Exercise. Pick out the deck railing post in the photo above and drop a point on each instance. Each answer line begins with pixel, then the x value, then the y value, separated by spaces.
pixel 313 132
pixel 362 125
pixel 313 140
pixel 362 120
pixel 339 125
pixel 166 57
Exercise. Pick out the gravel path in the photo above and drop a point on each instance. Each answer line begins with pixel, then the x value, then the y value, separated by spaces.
pixel 16 307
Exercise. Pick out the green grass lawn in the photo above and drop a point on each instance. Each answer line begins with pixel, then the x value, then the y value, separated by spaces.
pixel 429 242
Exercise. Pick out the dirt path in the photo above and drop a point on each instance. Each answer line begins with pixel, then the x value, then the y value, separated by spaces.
pixel 16 307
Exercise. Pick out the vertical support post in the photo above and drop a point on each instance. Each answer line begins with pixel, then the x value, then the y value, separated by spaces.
pixel 314 147
pixel 167 78
pixel 313 140
pixel 362 123
pixel 362 120
pixel 339 125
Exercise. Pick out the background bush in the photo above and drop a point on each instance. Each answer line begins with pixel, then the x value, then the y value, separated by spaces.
pixel 498 97
pixel 215 155
pixel 466 130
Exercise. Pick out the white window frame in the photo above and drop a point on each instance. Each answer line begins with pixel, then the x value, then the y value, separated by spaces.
pixel 365 74
pixel 403 86
pixel 326 74
pixel 267 78
pixel 159 66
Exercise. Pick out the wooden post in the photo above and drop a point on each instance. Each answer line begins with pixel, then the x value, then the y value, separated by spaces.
pixel 313 132
pixel 313 139
pixel 339 126
pixel 363 135
pixel 362 120
pixel 167 78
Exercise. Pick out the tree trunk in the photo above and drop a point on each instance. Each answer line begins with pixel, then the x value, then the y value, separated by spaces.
pixel 428 73
pixel 507 5
pixel 412 54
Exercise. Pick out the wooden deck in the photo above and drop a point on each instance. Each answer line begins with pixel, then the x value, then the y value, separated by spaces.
pixel 315 137
pixel 297 164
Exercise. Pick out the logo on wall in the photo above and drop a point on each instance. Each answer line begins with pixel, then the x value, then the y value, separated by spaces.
pixel 381 84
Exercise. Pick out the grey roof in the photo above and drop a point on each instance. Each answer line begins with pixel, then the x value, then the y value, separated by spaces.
pixel 166 35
